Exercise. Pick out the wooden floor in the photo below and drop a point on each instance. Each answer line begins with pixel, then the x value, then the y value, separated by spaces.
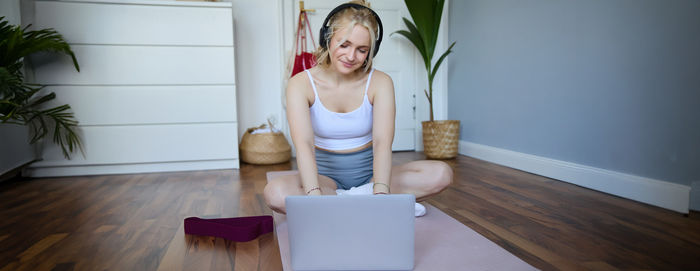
pixel 134 222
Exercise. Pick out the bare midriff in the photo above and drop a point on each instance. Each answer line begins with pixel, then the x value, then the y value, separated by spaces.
pixel 368 145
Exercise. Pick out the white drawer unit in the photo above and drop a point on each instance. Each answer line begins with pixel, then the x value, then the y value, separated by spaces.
pixel 156 90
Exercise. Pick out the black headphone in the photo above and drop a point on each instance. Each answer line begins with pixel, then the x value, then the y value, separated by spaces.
pixel 325 41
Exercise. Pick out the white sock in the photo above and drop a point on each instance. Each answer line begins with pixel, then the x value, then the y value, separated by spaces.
pixel 365 189
pixel 420 210
pixel 368 189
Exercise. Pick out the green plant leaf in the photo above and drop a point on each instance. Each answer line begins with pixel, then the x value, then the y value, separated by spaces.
pixel 437 18
pixel 37 102
pixel 422 12
pixel 17 43
pixel 38 128
pixel 422 49
pixel 46 40
pixel 442 57
pixel 21 102
pixel 413 35
pixel 412 38
pixel 426 15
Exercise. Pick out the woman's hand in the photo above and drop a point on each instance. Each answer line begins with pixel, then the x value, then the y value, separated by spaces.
pixel 381 188
pixel 316 191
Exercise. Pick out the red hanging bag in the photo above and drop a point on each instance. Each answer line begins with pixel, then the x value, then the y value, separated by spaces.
pixel 302 58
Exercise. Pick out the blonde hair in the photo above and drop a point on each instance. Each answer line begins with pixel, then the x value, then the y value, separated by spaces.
pixel 349 17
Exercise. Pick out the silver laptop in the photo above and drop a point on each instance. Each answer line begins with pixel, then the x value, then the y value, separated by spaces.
pixel 359 232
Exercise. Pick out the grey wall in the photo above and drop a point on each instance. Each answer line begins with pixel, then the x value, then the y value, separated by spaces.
pixel 14 149
pixel 10 10
pixel 608 84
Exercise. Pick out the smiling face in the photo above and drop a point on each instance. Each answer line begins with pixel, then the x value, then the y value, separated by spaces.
pixel 350 48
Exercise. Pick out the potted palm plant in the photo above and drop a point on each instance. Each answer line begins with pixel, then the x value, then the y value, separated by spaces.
pixel 23 103
pixel 440 137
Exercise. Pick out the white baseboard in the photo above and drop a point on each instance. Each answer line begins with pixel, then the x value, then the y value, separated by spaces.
pixel 664 194
pixel 695 196
pixel 80 170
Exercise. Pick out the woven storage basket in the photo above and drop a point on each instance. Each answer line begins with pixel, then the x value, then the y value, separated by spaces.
pixel 440 138
pixel 264 148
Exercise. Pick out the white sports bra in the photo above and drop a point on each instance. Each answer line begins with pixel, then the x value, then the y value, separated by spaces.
pixel 341 131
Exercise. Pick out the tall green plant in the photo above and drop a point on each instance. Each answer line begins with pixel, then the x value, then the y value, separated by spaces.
pixel 423 34
pixel 20 102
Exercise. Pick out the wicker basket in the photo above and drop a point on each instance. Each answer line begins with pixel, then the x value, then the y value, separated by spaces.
pixel 264 148
pixel 440 139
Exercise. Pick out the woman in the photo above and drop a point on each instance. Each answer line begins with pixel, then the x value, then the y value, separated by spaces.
pixel 341 115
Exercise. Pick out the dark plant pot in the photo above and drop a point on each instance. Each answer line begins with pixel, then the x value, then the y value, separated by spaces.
pixel 441 139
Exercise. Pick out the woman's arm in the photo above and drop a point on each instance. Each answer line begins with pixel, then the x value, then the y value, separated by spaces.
pixel 302 134
pixel 384 107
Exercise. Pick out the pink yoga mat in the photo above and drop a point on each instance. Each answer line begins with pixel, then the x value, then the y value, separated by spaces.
pixel 442 243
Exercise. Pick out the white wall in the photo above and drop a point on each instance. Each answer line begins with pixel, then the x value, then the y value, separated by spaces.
pixel 14 147
pixel 260 63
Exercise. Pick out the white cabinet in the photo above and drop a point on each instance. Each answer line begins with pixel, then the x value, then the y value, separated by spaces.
pixel 156 90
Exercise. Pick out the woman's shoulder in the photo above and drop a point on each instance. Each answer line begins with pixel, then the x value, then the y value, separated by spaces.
pixel 300 84
pixel 381 78
pixel 298 79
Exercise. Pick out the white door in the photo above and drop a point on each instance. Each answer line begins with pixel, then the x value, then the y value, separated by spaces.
pixel 396 57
